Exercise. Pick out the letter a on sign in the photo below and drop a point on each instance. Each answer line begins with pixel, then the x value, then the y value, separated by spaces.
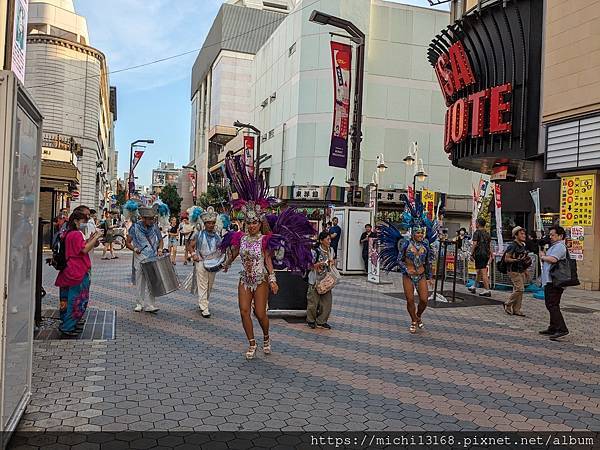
pixel 461 68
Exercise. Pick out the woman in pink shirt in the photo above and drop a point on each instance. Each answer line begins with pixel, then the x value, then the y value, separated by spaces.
pixel 74 279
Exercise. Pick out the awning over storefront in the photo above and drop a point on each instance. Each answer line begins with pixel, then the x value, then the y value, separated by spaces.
pixel 60 172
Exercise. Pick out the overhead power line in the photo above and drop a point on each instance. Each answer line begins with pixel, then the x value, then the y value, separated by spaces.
pixel 167 58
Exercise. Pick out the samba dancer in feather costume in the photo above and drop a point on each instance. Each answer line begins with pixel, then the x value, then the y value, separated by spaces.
pixel 412 257
pixel 270 241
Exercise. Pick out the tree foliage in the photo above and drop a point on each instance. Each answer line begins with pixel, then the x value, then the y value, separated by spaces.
pixel 171 198
pixel 485 213
pixel 214 196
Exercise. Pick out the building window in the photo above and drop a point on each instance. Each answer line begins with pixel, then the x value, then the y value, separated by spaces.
pixel 273 97
pixel 292 49
pixel 271 134
pixel 263 138
pixel 264 103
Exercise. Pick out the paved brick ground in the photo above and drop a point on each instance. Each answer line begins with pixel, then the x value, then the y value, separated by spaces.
pixel 470 369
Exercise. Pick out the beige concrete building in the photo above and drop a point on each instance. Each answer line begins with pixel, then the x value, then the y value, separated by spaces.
pixel 571 114
pixel 69 81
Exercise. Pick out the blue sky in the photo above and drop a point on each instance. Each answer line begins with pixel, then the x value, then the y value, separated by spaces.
pixel 153 101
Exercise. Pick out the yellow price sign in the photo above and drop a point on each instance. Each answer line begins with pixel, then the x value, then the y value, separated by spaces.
pixel 577 200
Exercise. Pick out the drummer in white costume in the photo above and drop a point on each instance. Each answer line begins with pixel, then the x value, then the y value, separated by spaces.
pixel 145 240
pixel 204 246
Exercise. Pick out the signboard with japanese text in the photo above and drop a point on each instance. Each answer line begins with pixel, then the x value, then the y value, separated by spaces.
pixel 575 240
pixel 307 193
pixel 577 200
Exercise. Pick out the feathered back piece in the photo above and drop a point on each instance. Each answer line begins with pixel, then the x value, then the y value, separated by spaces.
pixel 130 210
pixel 194 214
pixel 252 201
pixel 163 212
pixel 389 240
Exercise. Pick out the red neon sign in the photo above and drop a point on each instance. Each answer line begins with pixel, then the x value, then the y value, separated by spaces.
pixel 467 115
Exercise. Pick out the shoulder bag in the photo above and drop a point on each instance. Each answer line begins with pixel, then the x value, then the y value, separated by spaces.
pixel 564 273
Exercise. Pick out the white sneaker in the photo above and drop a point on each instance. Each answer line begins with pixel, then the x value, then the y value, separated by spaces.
pixel 138 308
pixel 205 313
pixel 151 309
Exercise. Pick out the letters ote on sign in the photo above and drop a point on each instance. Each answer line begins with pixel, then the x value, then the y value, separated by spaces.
pixel 468 116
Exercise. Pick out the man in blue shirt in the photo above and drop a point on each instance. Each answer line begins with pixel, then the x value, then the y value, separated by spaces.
pixel 552 294
pixel 335 232
pixel 145 240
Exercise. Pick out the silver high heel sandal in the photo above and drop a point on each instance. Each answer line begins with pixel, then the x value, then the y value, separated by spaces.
pixel 267 345
pixel 251 349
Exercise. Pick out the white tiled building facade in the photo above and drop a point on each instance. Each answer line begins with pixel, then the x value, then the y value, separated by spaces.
pixel 69 82
pixel 402 101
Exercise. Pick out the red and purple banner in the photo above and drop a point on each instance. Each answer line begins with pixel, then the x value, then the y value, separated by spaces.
pixel 248 156
pixel 137 155
pixel 341 57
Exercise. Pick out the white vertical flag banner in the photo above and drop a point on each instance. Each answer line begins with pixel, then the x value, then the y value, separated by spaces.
pixel 535 196
pixel 498 209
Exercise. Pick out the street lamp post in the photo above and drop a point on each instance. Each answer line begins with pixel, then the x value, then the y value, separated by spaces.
pixel 381 167
pixel 419 172
pixel 239 124
pixel 358 37
pixel 133 144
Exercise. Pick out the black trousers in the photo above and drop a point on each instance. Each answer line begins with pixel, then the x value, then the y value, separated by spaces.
pixel 552 297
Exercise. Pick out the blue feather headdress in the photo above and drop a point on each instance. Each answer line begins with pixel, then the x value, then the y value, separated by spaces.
pixel 415 219
pixel 130 209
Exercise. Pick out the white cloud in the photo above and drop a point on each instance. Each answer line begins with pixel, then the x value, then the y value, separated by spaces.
pixel 133 32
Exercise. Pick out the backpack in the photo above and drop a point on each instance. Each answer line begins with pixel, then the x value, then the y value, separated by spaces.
pixel 59 253
pixel 501 265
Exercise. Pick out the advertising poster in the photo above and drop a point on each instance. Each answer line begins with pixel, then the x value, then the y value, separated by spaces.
pixel 19 39
pixel 575 241
pixel 341 57
pixel 374 269
pixel 577 200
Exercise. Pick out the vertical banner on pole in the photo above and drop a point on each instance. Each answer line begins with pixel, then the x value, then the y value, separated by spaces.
pixel 248 156
pixel 428 198
pixel 498 200
pixel 411 194
pixel 341 57
pixel 137 155
pixel 483 185
pixel 474 209
pixel 535 196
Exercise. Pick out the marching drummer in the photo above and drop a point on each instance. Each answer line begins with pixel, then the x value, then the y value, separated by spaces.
pixel 207 257
pixel 145 240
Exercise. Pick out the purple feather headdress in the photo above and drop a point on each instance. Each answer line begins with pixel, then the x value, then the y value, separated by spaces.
pixel 253 201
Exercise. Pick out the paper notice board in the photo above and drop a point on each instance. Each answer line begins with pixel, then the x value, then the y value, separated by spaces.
pixel 577 201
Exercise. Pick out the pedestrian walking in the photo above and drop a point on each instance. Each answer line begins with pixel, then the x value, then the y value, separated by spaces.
pixel 335 231
pixel 318 307
pixel 185 231
pixel 552 294
pixel 145 240
pixel 106 226
pixel 73 280
pixel 173 232
pixel 364 241
pixel 517 262
pixel 208 258
pixel 482 255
